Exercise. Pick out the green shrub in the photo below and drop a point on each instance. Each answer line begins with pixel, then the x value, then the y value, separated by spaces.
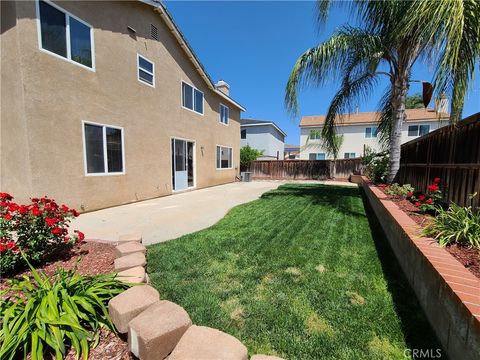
pixel 399 190
pixel 44 316
pixel 455 225
pixel 247 155
pixel 375 166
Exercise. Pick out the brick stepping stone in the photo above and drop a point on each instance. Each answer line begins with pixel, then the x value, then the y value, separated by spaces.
pixel 129 248
pixel 129 261
pixel 125 306
pixel 137 237
pixel 201 342
pixel 134 275
pixel 265 357
pixel 156 331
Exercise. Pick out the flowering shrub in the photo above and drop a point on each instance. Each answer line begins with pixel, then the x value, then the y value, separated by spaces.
pixel 428 202
pixel 401 191
pixel 37 229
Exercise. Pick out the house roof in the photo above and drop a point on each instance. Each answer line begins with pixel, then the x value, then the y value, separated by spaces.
pixel 253 122
pixel 288 146
pixel 165 15
pixel 372 117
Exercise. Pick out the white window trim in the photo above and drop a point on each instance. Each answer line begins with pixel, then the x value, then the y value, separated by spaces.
pixel 67 34
pixel 371 132
pixel 105 157
pixel 349 153
pixel 193 98
pixel 324 155
pixel 220 113
pixel 148 72
pixel 313 139
pixel 216 160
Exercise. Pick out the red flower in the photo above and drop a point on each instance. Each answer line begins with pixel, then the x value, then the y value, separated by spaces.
pixel 23 209
pixel 12 207
pixel 75 213
pixel 36 211
pixel 3 203
pixel 57 231
pixel 429 201
pixel 35 200
pixel 51 221
pixel 7 217
pixel 81 236
pixel 409 194
pixel 11 245
pixel 65 208
pixel 421 197
pixel 436 180
pixel 418 204
pixel 433 188
pixel 6 196
pixel 66 239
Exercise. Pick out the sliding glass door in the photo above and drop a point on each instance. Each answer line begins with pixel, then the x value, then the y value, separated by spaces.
pixel 182 164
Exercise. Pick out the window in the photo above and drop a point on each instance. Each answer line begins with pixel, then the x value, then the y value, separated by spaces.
pixel 224 157
pixel 418 130
pixel 371 132
pixel 146 70
pixel 103 149
pixel 65 35
pixel 192 98
pixel 315 134
pixel 224 113
pixel 243 134
pixel 349 155
pixel 316 156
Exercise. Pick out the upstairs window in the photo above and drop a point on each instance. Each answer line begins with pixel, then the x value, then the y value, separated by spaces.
pixel 350 155
pixel 146 70
pixel 224 114
pixel 243 134
pixel 316 156
pixel 315 135
pixel 103 149
pixel 418 130
pixel 65 35
pixel 371 132
pixel 224 157
pixel 192 98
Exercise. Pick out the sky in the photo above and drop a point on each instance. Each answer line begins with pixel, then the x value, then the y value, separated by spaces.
pixel 253 45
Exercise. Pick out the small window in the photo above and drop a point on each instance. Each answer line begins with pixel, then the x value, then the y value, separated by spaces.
pixel 243 134
pixel 314 134
pixel 192 98
pixel 371 132
pixel 316 156
pixel 103 149
pixel 413 130
pixel 424 130
pixel 349 155
pixel 146 71
pixel 224 157
pixel 418 130
pixel 224 114
pixel 65 35
pixel 153 32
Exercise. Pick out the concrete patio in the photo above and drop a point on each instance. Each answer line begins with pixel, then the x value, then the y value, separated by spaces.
pixel 172 216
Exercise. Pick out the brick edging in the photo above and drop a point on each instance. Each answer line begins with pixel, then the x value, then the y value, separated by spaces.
pixel 448 293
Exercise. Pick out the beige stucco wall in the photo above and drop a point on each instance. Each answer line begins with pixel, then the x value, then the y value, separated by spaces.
pixel 58 95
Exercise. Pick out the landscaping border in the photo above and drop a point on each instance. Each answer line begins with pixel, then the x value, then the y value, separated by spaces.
pixel 448 293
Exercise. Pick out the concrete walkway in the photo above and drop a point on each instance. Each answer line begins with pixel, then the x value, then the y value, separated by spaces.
pixel 169 217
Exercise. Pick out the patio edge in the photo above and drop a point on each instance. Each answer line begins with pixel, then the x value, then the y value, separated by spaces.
pixel 448 293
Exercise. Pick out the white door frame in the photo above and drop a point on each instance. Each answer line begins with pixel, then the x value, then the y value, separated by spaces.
pixel 194 186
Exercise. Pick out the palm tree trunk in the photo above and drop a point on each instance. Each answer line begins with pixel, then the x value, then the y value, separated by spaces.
pixel 399 95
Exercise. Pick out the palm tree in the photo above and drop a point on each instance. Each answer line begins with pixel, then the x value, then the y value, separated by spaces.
pixel 388 43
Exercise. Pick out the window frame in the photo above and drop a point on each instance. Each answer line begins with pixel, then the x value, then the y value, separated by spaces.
pixel 105 154
pixel 228 114
pixel 193 98
pixel 349 153
pixel 148 72
pixel 68 15
pixel 241 132
pixel 418 126
pixel 216 159
pixel 317 137
pixel 373 129
pixel 424 125
pixel 316 156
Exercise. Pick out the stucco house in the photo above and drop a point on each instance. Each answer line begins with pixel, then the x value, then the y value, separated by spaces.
pixel 105 103
pixel 359 130
pixel 263 135
pixel 291 152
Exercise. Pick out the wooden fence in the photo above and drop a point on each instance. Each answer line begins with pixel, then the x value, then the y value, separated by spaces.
pixel 304 169
pixel 451 153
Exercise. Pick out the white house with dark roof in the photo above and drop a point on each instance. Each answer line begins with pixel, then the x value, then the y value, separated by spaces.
pixel 263 135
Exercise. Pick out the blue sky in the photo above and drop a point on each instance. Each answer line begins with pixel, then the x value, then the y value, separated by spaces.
pixel 253 46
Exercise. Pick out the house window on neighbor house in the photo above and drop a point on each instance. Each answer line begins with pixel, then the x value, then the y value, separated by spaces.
pixel 243 134
pixel 371 132
pixel 349 155
pixel 145 70
pixel 104 152
pixel 418 130
pixel 224 114
pixel 224 157
pixel 314 135
pixel 65 35
pixel 316 156
pixel 192 98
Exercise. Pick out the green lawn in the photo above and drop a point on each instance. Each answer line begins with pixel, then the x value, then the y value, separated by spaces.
pixel 302 273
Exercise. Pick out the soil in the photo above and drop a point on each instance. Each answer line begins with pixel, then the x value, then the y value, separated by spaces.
pixel 467 256
pixel 95 258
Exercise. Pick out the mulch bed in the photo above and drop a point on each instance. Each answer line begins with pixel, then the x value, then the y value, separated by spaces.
pixel 467 256
pixel 95 258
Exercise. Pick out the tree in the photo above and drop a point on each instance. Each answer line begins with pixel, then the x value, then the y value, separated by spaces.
pixel 247 155
pixel 393 35
pixel 414 101
pixel 333 148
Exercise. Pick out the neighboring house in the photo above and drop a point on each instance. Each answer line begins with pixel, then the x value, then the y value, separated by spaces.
pixel 263 135
pixel 360 130
pixel 105 103
pixel 291 152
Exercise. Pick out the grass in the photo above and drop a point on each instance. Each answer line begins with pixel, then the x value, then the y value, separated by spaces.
pixel 302 273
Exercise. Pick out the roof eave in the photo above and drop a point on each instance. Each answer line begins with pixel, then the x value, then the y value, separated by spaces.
pixel 265 123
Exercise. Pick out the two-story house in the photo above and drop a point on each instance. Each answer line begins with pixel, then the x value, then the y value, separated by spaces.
pixel 263 135
pixel 105 103
pixel 359 130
